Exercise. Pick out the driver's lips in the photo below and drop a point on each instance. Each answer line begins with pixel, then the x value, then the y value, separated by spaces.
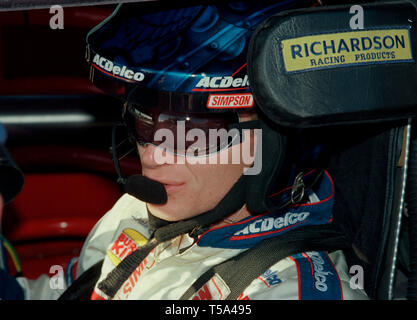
pixel 174 187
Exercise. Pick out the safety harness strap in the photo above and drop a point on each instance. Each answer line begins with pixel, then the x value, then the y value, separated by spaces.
pixel 237 273
pixel 82 287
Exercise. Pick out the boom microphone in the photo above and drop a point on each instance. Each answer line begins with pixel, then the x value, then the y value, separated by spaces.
pixel 146 189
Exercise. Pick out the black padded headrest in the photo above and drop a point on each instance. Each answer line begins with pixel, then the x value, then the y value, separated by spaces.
pixel 308 68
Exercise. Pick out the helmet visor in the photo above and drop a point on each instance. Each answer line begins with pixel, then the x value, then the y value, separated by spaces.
pixel 180 133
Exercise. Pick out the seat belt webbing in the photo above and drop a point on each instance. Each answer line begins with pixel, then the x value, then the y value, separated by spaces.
pixel 239 271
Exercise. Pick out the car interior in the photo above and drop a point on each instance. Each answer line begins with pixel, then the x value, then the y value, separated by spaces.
pixel 60 126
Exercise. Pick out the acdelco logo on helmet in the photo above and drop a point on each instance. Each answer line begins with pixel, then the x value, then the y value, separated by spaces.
pixel 222 82
pixel 237 81
pixel 114 70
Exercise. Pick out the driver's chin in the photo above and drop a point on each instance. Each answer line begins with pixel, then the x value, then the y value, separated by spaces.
pixel 183 206
pixel 169 212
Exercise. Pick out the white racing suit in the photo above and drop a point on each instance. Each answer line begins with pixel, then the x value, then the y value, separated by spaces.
pixel 172 267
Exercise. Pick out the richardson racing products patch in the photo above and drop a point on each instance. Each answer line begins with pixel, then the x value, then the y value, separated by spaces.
pixel 341 49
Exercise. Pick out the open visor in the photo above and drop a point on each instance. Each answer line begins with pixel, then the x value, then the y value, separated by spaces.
pixel 180 133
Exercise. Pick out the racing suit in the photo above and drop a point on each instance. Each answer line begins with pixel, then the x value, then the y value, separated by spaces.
pixel 172 267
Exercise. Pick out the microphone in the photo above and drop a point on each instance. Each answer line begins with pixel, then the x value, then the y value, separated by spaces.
pixel 138 186
pixel 146 189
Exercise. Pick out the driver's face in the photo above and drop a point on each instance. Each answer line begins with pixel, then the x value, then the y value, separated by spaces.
pixel 194 188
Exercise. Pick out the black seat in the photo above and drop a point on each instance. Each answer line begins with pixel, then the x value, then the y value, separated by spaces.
pixel 311 72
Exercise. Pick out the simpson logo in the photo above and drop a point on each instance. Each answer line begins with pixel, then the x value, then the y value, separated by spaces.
pixel 226 101
pixel 127 242
pixel 121 72
pixel 270 225
pixel 346 48
pixel 133 279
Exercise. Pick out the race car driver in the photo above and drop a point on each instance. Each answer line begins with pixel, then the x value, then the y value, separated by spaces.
pixel 182 73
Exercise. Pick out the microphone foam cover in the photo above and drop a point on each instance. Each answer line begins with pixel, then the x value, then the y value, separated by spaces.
pixel 146 189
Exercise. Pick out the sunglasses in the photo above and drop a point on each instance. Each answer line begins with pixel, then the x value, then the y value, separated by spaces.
pixel 182 134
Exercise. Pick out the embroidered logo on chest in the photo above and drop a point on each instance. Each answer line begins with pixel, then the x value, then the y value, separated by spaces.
pixel 127 242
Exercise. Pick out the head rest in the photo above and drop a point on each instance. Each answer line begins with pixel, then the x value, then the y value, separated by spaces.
pixel 309 68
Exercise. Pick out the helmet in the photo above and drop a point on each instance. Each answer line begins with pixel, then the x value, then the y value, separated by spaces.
pixel 192 61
